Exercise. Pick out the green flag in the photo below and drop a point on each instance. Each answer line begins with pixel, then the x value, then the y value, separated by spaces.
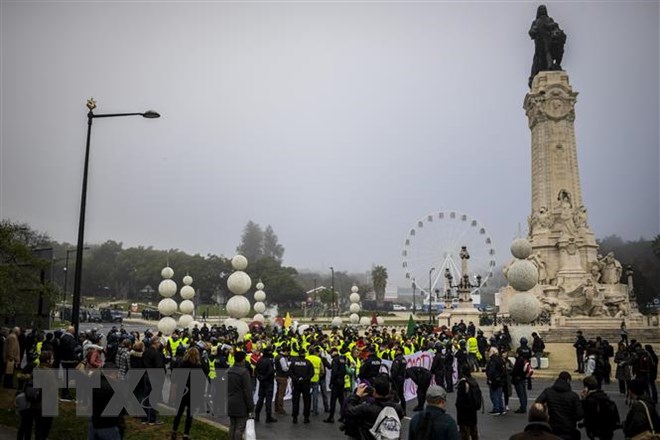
pixel 411 326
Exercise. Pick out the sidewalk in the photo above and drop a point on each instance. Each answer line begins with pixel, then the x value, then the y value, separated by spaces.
pixel 7 433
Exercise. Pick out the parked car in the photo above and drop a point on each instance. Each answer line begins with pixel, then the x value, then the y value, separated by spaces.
pixel 112 315
pixel 399 308
pixel 94 315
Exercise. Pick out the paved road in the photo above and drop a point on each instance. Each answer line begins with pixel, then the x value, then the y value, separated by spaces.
pixel 490 428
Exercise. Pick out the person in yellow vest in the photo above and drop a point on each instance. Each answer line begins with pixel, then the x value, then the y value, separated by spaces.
pixel 473 353
pixel 319 371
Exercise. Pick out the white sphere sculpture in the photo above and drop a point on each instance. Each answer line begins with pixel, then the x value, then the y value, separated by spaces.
pixel 521 248
pixel 167 272
pixel 336 321
pixel 231 322
pixel 242 328
pixel 238 306
pixel 380 320
pixel 259 317
pixel 239 282
pixel 260 295
pixel 167 306
pixel 239 262
pixel 523 275
pixel 186 307
pixel 185 320
pixel 187 280
pixel 302 328
pixel 354 318
pixel 260 286
pixel 166 325
pixel 524 307
pixel 354 289
pixel 259 307
pixel 354 308
pixel 167 288
pixel 365 320
pixel 187 292
pixel 193 324
pixel 355 298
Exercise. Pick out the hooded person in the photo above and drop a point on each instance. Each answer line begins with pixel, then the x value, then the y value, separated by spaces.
pixel 564 407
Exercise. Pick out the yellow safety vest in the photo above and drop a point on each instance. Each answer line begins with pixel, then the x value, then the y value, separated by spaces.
pixel 39 345
pixel 212 374
pixel 316 362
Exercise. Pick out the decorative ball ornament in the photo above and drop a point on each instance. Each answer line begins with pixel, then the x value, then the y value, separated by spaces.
pixel 521 248
pixel 193 324
pixel 242 328
pixel 260 286
pixel 259 317
pixel 167 306
pixel 354 289
pixel 166 325
pixel 185 320
pixel 238 306
pixel 259 307
pixel 187 292
pixel 167 272
pixel 354 308
pixel 524 307
pixel 167 287
pixel 186 307
pixel 355 298
pixel 231 322
pixel 336 321
pixel 380 320
pixel 187 280
pixel 354 318
pixel 239 282
pixel 239 262
pixel 365 320
pixel 523 275
pixel 259 295
pixel 302 328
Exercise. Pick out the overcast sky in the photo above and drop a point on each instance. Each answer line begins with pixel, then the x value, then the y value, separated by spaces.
pixel 338 123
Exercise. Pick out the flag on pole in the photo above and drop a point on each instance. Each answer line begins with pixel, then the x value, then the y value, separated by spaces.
pixel 287 320
pixel 411 326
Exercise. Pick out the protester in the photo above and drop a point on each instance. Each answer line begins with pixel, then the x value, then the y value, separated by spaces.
pixel 538 427
pixel 519 381
pixel 265 373
pixel 364 407
pixel 601 416
pixel 422 378
pixel 282 378
pixel 153 359
pixel 434 422
pixel 240 403
pixel 580 346
pixel 496 380
pixel 193 362
pixel 564 407
pixel 102 426
pixel 468 402
pixel 11 357
pixel 338 378
pixel 42 423
pixel 642 416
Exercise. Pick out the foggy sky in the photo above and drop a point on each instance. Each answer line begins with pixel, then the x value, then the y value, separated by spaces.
pixel 339 124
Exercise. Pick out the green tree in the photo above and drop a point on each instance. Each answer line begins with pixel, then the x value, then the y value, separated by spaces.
pixel 656 246
pixel 379 281
pixel 252 242
pixel 281 284
pixel 271 247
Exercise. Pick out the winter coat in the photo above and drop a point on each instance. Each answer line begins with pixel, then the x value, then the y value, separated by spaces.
pixel 362 414
pixel 240 402
pixel 593 423
pixel 466 413
pixel 564 407
pixel 637 421
pixel 444 427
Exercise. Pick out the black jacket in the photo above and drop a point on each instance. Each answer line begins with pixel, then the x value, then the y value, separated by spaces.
pixel 70 349
pixel 362 414
pixel 593 423
pixel 398 370
pixel 338 371
pixel 419 375
pixel 564 407
pixel 239 392
pixel 637 421
pixel 265 371
pixel 444 427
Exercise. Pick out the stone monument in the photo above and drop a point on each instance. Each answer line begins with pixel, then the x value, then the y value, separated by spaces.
pixel 573 278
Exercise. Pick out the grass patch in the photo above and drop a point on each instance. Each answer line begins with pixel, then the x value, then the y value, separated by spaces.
pixel 68 426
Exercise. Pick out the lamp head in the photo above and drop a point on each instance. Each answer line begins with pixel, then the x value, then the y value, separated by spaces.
pixel 150 114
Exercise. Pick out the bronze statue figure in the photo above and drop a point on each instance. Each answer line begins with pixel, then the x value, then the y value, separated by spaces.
pixel 549 42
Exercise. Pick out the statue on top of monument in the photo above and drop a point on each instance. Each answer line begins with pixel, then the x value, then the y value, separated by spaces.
pixel 549 42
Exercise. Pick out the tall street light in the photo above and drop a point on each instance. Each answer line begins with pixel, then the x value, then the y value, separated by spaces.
pixel 430 293
pixel 91 105
pixel 414 286
pixel 332 269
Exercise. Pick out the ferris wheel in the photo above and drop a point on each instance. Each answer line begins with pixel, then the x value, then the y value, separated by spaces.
pixel 433 247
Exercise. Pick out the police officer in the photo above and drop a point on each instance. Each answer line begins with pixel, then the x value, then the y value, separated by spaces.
pixel 398 375
pixel 337 381
pixel 301 372
pixel 265 372
pixel 370 368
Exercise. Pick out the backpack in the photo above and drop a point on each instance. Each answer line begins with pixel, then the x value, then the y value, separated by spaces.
pixel 473 393
pixel 387 425
pixel 529 371
pixel 608 413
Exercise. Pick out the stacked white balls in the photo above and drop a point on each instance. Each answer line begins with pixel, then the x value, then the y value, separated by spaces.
pixel 259 305
pixel 354 308
pixel 167 306
pixel 187 307
pixel 523 275
pixel 238 306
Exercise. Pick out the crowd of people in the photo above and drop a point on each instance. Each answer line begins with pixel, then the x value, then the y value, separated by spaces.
pixel 356 379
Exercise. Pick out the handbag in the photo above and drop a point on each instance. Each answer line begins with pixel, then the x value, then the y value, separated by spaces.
pixel 649 434
pixel 21 402
pixel 250 432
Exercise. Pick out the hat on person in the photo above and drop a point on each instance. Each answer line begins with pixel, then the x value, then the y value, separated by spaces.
pixel 436 394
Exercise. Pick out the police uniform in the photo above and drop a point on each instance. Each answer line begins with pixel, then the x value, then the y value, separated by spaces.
pixel 337 383
pixel 301 372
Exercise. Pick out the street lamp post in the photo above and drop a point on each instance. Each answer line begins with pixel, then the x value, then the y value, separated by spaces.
pixel 414 286
pixel 91 105
pixel 66 271
pixel 334 305
pixel 431 294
